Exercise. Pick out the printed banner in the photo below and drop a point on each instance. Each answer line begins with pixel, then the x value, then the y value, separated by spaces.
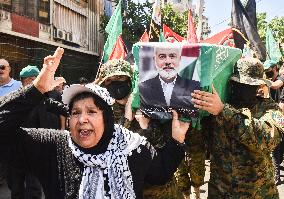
pixel 167 73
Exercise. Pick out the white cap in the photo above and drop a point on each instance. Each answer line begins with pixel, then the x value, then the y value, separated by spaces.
pixel 75 89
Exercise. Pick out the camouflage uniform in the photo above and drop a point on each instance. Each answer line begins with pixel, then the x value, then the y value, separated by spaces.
pixel 194 164
pixel 241 141
pixel 157 133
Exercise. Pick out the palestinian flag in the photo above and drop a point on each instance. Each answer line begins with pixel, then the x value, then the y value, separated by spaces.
pixel 114 30
pixel 196 66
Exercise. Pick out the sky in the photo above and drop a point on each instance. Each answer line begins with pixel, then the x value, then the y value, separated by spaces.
pixel 219 11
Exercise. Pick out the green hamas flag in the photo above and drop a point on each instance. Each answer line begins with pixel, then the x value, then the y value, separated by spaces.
pixel 196 66
pixel 113 29
pixel 272 47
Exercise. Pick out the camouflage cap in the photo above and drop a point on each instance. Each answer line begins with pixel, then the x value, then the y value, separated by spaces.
pixel 113 68
pixel 251 72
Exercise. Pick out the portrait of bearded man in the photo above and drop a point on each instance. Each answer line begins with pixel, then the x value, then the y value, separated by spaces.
pixel 167 90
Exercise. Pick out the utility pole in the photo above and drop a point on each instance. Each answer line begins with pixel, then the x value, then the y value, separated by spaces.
pixel 199 11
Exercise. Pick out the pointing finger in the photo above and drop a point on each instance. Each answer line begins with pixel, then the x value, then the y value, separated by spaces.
pixel 175 115
pixel 58 53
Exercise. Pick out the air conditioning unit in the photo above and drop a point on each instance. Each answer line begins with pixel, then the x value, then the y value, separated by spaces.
pixel 59 34
pixel 69 37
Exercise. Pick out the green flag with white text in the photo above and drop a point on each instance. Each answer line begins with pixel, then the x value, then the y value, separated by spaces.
pixel 113 29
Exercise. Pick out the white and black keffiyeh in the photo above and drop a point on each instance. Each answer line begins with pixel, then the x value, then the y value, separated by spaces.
pixel 111 167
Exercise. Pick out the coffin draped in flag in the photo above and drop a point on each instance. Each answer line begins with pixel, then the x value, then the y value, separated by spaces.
pixel 169 72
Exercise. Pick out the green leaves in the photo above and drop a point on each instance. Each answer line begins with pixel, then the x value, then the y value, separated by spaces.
pixel 175 20
pixel 276 25
pixel 135 19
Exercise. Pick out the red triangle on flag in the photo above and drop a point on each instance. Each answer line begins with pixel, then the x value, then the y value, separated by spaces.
pixel 144 37
pixel 118 51
pixel 224 37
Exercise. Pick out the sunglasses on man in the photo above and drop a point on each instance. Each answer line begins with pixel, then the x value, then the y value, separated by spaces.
pixel 2 67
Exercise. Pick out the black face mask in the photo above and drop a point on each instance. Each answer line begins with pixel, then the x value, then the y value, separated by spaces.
pixel 269 74
pixel 243 94
pixel 119 89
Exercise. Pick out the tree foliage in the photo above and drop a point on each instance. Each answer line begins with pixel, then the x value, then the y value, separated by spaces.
pixel 135 19
pixel 276 25
pixel 175 20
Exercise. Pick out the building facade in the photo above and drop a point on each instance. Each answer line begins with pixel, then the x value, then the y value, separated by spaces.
pixel 32 29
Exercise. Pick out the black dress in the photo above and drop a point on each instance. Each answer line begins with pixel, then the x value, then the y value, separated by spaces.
pixel 46 154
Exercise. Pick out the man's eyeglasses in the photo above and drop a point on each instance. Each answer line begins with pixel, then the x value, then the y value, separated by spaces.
pixel 2 67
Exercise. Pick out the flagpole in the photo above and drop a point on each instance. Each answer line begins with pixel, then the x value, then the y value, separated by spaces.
pixel 113 28
pixel 98 71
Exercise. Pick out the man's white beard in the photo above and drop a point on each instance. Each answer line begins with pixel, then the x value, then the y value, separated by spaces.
pixel 167 74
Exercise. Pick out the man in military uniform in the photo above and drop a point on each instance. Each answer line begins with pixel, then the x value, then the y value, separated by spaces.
pixel 243 133
pixel 116 76
pixel 276 92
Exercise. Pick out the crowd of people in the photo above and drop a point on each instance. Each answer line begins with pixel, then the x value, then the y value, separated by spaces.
pixel 86 141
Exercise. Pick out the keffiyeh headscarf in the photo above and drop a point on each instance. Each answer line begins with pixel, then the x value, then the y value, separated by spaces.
pixel 110 167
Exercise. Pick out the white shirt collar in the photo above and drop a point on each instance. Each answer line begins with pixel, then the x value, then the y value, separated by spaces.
pixel 167 89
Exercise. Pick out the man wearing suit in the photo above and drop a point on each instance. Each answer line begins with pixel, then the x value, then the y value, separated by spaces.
pixel 167 89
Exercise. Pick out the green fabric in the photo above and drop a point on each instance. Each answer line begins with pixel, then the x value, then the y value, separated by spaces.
pixel 272 47
pixel 29 71
pixel 113 29
pixel 215 65
pixel 135 92
pixel 162 38
pixel 268 63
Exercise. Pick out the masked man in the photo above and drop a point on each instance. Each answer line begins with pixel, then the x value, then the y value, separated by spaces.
pixel 243 133
pixel 115 76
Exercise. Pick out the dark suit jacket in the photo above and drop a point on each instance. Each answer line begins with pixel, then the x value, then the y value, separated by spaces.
pixel 153 100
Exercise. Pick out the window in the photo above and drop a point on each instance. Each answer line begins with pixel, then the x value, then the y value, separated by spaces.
pixel 35 9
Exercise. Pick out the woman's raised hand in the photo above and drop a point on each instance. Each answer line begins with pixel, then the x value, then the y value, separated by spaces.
pixel 45 80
